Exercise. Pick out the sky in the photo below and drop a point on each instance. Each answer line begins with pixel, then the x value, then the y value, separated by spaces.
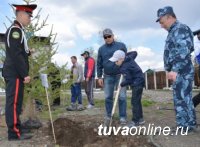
pixel 79 23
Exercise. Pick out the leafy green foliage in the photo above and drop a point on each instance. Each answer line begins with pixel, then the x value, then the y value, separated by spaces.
pixel 147 103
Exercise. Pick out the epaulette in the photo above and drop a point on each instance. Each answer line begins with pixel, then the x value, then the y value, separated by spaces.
pixel 8 36
pixel 23 38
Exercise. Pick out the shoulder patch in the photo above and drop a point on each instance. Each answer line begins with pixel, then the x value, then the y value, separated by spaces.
pixel 15 35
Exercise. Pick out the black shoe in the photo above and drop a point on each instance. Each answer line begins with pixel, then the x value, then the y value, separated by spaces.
pixel 25 130
pixel 31 124
pixel 22 137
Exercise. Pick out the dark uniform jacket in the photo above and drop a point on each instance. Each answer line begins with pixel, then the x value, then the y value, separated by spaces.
pixel 16 62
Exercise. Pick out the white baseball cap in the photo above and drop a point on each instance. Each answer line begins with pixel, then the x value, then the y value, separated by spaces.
pixel 119 54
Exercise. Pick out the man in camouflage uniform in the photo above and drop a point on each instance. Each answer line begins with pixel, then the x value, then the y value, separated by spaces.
pixel 177 61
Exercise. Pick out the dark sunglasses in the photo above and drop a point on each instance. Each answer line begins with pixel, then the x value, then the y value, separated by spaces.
pixel 105 37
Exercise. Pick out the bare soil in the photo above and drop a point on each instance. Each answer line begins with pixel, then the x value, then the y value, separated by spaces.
pixel 79 128
pixel 75 133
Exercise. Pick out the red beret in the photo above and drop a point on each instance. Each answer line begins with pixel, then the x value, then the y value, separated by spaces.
pixel 26 8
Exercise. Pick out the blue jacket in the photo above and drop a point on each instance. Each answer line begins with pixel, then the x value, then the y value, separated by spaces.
pixel 104 54
pixel 131 71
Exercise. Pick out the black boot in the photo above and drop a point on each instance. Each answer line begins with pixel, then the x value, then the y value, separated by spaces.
pixel 31 124
pixel 196 100
pixel 22 137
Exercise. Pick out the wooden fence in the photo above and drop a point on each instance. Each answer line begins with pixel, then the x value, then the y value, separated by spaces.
pixel 157 79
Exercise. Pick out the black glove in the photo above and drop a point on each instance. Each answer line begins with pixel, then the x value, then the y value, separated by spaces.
pixel 122 84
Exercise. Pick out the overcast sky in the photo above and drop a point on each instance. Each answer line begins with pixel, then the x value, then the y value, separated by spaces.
pixel 78 23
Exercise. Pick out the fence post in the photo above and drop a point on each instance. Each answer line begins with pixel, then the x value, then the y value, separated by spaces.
pixel 146 79
pixel 167 81
pixel 154 77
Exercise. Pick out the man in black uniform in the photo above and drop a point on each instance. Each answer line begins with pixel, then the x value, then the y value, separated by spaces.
pixel 15 69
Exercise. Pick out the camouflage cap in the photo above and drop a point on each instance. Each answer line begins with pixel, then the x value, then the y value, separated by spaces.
pixel 163 11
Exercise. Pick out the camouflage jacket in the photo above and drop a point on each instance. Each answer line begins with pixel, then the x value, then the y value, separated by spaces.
pixel 178 47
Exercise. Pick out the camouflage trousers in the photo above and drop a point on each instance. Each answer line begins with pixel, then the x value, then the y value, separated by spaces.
pixel 184 108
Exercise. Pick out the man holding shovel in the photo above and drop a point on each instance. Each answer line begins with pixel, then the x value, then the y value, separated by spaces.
pixel 111 75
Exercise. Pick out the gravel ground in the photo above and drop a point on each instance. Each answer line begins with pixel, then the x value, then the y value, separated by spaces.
pixel 151 114
pixel 155 95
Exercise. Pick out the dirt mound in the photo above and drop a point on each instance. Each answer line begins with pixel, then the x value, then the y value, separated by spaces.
pixel 73 133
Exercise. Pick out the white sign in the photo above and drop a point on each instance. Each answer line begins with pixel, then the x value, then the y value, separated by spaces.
pixel 44 80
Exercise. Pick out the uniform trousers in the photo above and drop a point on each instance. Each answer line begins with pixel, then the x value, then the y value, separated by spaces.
pixel 14 100
pixel 184 108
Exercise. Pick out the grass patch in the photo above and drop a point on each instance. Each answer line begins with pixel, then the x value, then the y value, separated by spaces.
pixel 99 103
pixel 147 103
pixel 56 112
pixel 59 110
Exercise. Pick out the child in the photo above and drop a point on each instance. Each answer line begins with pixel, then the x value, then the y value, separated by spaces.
pixel 134 77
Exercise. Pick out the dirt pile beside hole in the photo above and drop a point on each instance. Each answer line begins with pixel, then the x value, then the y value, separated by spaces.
pixel 73 133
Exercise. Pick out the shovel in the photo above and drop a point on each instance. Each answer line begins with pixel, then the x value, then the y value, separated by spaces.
pixel 116 99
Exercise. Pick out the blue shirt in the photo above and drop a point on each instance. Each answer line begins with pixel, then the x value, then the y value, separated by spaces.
pixel 104 54
pixel 178 48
